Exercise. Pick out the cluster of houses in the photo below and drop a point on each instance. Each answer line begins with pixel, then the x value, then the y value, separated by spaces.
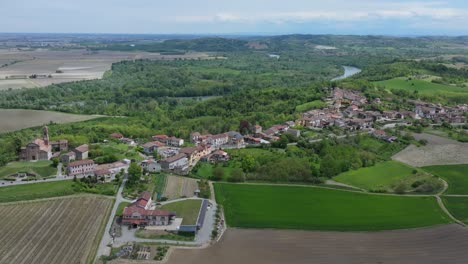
pixel 438 113
pixel 345 109
pixel 208 147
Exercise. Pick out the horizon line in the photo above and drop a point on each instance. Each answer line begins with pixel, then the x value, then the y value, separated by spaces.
pixel 250 34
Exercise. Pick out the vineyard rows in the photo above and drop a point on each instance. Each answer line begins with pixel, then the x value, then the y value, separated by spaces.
pixel 62 230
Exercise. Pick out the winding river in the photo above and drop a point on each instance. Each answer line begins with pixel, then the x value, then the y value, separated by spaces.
pixel 348 72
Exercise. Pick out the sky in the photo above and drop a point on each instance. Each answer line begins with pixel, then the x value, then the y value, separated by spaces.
pixel 269 17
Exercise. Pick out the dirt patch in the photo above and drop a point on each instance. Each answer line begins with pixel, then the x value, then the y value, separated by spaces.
pixel 16 119
pixel 442 244
pixel 178 187
pixel 438 151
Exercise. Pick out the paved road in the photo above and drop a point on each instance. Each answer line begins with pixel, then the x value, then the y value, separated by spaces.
pixel 107 238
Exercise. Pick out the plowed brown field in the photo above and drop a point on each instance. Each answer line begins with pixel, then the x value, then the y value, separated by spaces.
pixel 62 230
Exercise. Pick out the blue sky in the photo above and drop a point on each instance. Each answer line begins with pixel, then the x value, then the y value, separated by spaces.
pixel 395 17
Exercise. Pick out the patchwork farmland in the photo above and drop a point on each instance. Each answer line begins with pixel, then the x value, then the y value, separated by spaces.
pixel 16 119
pixel 62 230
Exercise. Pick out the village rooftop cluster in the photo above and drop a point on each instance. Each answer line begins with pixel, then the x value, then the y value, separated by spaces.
pixel 345 110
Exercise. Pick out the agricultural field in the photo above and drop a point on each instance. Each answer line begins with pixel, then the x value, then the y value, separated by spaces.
pixel 458 207
pixel 434 245
pixel 187 209
pixel 385 176
pixel 68 65
pixel 177 187
pixel 41 168
pixel 381 176
pixel 32 191
pixel 65 230
pixel 36 191
pixel 423 87
pixel 309 208
pixel 438 151
pixel 16 119
pixel 455 175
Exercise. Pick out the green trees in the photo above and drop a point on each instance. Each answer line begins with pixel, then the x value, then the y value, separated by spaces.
pixel 248 163
pixel 134 174
pixel 218 173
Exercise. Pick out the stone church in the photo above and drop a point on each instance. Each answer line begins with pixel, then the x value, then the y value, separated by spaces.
pixel 42 148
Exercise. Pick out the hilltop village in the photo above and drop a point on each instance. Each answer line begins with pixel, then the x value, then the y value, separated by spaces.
pixel 346 110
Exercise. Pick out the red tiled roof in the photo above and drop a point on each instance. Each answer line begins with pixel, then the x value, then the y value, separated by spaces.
pixel 80 163
pixel 160 136
pixel 145 195
pixel 174 158
pixel 82 148
pixel 153 143
pixel 101 172
pixel 129 210
pixel 188 150
pixel 116 135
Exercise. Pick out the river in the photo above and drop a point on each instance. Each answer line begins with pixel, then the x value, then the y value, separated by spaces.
pixel 348 72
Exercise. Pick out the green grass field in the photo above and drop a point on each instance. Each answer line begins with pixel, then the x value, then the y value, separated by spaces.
pixel 36 191
pixel 206 170
pixel 290 207
pixel 381 176
pixel 455 175
pixel 458 207
pixel 41 168
pixel 423 87
pixel 187 209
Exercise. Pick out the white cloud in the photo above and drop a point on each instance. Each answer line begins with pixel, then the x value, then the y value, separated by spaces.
pixel 365 11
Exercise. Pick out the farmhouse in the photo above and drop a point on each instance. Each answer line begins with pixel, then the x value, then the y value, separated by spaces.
pixel 109 170
pixel 218 155
pixel 151 165
pixel 68 157
pixel 116 135
pixel 152 146
pixel 139 213
pixel 81 168
pixel 171 141
pixel 178 161
pixel 81 152
pixel 42 149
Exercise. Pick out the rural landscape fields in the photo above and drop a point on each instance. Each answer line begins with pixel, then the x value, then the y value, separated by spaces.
pixel 59 230
pixel 65 65
pixel 16 119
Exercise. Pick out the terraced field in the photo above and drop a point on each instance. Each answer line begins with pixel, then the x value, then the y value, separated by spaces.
pixel 62 230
